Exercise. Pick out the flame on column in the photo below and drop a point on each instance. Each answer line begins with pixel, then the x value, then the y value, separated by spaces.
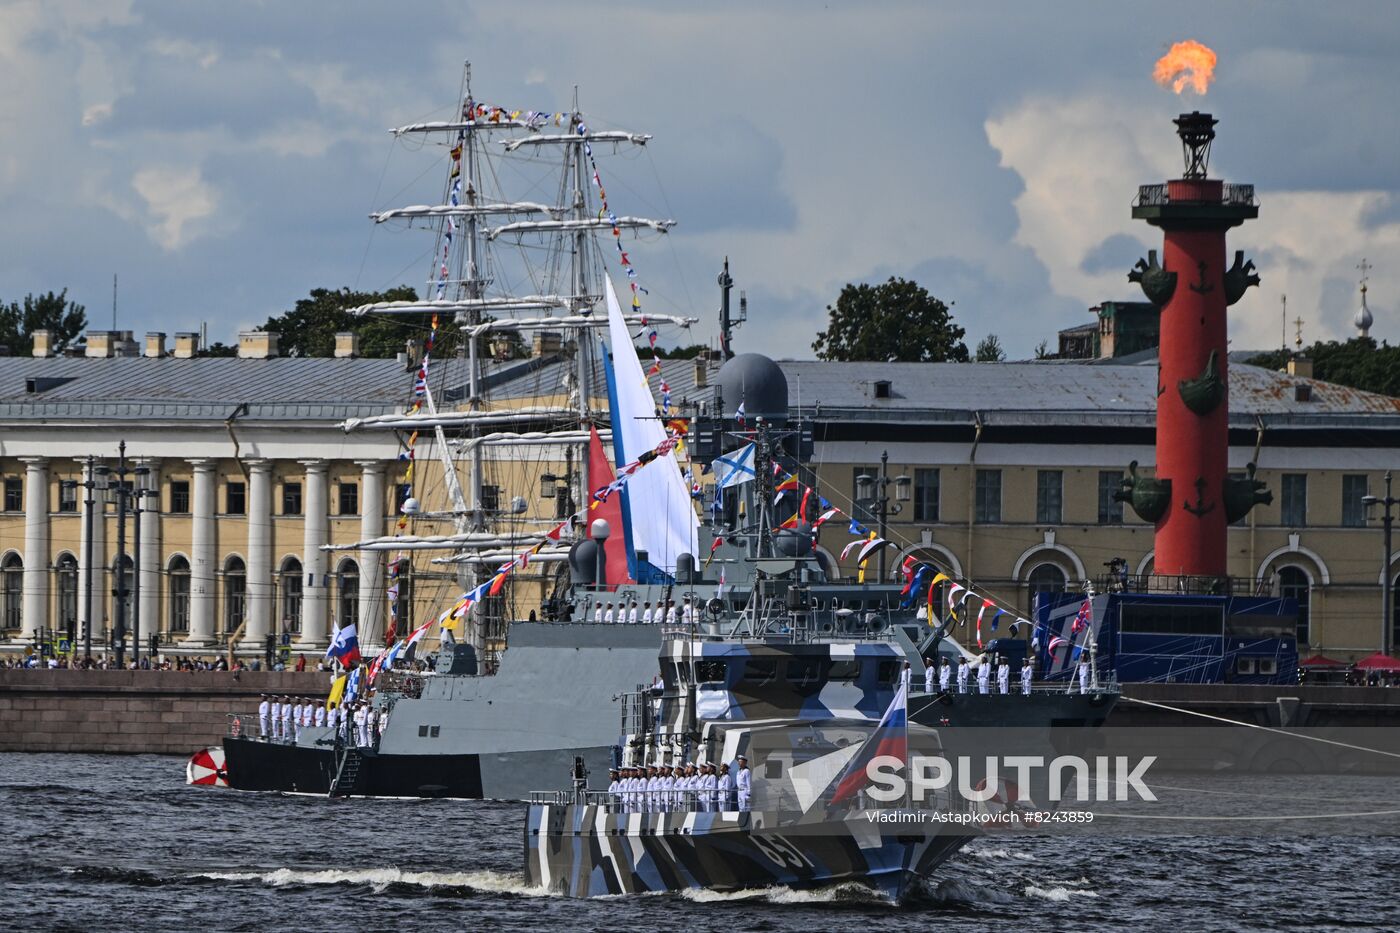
pixel 1187 64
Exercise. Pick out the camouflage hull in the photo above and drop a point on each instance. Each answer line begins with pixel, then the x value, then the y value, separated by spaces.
pixel 583 851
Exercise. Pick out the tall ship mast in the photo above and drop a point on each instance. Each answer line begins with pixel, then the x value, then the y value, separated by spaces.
pixel 503 270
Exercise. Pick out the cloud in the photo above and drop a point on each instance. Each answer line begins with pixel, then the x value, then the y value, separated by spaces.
pixel 175 198
pixel 1117 253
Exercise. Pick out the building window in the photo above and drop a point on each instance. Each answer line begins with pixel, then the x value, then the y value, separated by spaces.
pixel 13 572
pixel 179 594
pixel 1046 578
pixel 925 495
pixel 1110 509
pixel 347 593
pixel 235 594
pixel 180 496
pixel 67 571
pixel 67 498
pixel 236 499
pixel 14 494
pixel 291 498
pixel 349 496
pixel 1353 509
pixel 289 581
pixel 1049 497
pixel 987 507
pixel 1295 500
pixel 1294 583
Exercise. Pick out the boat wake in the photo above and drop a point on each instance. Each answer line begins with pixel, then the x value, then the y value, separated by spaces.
pixel 849 893
pixel 380 880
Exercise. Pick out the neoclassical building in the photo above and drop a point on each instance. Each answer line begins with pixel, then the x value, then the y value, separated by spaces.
pixel 1010 472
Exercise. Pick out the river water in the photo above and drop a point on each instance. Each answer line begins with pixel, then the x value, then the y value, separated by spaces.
pixel 95 842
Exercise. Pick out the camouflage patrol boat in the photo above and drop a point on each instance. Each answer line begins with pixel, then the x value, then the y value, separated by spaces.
pixel 806 710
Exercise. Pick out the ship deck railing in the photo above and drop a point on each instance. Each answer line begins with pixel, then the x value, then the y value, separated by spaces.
pixel 691 801
pixel 1039 688
pixel 772 631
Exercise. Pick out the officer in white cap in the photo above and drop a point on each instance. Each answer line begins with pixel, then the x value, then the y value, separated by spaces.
pixel 962 674
pixel 264 709
pixel 1027 672
pixel 1004 676
pixel 743 781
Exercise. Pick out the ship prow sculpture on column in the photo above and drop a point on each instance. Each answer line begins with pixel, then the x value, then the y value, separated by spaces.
pixel 1192 498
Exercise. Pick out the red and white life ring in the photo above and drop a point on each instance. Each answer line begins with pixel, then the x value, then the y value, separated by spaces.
pixel 206 767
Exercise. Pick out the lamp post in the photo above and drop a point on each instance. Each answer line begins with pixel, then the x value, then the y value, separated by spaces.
pixel 88 484
pixel 1386 522
pixel 139 493
pixel 872 494
pixel 124 493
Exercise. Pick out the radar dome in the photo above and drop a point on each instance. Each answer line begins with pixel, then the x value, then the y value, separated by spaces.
pixel 756 382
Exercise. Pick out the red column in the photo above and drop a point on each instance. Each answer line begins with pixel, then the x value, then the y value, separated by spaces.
pixel 1192 449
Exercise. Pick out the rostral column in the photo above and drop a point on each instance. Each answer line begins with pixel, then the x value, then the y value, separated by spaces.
pixel 1192 500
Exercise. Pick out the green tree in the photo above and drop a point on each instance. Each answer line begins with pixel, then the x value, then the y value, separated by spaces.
pixel 897 321
pixel 1358 363
pixel 64 320
pixel 309 329
pixel 688 352
pixel 989 350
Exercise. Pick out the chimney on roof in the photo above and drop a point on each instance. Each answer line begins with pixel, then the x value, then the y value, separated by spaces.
pixel 347 345
pixel 1300 366
pixel 256 344
pixel 99 344
pixel 43 344
pixel 186 345
pixel 123 344
pixel 702 372
pixel 155 344
pixel 546 343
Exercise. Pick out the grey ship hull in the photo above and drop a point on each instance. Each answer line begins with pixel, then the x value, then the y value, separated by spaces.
pixel 496 736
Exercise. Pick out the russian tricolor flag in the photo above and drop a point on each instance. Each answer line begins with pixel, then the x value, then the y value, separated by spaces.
pixel 890 738
pixel 344 646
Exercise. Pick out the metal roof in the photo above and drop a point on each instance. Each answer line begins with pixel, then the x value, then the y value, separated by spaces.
pixel 201 388
pixel 333 389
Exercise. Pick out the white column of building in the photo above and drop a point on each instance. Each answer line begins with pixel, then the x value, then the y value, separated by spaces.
pixel 204 560
pixel 35 605
pixel 151 566
pixel 371 627
pixel 93 612
pixel 315 597
pixel 259 584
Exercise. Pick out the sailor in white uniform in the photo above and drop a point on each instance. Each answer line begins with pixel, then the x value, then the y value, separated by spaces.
pixel 928 677
pixel 670 612
pixel 275 710
pixel 320 716
pixel 298 713
pixel 653 790
pixel 1026 675
pixel 286 719
pixel 646 613
pixel 614 792
pixel 632 614
pixel 687 612
pixel 1004 676
pixel 597 612
pixel 945 673
pixel 361 726
pixel 905 674
pixel 264 708
pixel 1084 675
pixel 724 787
pixel 608 615
pixel 962 675
pixel 984 675
pixel 709 788
pixel 743 782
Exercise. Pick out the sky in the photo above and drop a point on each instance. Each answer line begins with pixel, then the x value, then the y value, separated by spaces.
pixel 221 158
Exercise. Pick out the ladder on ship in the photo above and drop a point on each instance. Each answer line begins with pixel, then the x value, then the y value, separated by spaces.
pixel 347 772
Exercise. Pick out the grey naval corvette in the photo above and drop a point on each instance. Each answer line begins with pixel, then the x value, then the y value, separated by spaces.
pixel 516 697
pixel 800 708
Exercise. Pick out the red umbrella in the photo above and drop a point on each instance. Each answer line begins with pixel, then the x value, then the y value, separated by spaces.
pixel 1321 660
pixel 1378 662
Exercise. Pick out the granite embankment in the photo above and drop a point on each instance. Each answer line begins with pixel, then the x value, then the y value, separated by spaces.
pixel 136 712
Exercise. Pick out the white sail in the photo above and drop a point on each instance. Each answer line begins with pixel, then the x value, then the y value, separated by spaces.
pixel 461 210
pixel 570 139
pixel 663 519
pixel 587 223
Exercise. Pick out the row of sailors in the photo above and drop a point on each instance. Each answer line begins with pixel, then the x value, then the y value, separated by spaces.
pixel 665 611
pixel 282 719
pixel 984 676
pixel 679 788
